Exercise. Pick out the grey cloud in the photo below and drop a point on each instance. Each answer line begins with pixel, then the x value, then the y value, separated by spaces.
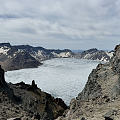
pixel 61 23
pixel 8 16
pixel 25 30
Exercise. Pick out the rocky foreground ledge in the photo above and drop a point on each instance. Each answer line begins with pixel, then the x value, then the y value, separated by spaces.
pixel 100 99
pixel 27 102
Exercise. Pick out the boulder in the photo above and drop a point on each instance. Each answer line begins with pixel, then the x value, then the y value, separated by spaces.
pixel 110 115
pixel 83 118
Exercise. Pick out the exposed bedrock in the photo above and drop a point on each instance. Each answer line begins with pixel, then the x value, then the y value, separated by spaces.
pixel 27 102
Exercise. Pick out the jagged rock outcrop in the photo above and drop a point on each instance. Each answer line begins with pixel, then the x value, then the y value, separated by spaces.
pixel 6 93
pixel 95 54
pixel 110 115
pixel 25 56
pixel 2 79
pixel 27 102
pixel 20 61
pixel 100 95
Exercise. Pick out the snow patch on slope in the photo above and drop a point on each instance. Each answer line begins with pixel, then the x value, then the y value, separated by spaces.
pixel 4 50
pixel 110 54
pixel 62 54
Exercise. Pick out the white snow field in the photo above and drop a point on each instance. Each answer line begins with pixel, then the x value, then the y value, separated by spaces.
pixel 62 77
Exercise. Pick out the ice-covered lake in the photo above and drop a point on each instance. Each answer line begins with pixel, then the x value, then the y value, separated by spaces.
pixel 64 77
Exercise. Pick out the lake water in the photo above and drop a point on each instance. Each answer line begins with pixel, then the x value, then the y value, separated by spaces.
pixel 61 77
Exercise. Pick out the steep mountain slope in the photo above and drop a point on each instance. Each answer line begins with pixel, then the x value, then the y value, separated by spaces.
pixel 25 56
pixel 27 102
pixel 41 53
pixel 100 99
pixel 95 54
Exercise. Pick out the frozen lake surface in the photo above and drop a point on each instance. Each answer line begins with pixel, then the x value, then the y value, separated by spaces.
pixel 64 77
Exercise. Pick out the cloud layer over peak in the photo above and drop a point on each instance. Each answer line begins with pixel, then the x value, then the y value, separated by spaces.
pixel 75 24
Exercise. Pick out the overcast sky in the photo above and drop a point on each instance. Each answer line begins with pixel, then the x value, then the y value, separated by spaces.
pixel 74 24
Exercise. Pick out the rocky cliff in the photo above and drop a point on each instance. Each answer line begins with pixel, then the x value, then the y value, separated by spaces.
pixel 100 99
pixel 27 102
pixel 95 54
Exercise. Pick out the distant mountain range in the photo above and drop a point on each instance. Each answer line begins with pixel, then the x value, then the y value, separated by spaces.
pixel 94 54
pixel 26 56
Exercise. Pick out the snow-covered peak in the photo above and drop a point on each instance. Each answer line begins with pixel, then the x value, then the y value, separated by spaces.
pixel 62 54
pixel 4 50
pixel 110 54
pixel 94 54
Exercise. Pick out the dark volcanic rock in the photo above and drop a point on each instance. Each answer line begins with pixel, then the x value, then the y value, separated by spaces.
pixel 33 99
pixel 110 115
pixel 6 93
pixel 5 44
pixel 2 79
pixel 83 118
pixel 5 89
pixel 25 56
pixel 115 61
pixel 95 54
pixel 18 101
pixel 12 58
pixel 92 88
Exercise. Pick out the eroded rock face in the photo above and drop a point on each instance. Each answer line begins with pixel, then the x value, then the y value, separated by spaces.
pixel 2 79
pixel 35 101
pixel 92 88
pixel 110 115
pixel 101 93
pixel 27 102
pixel 115 61
pixel 25 56
pixel 6 92
pixel 95 54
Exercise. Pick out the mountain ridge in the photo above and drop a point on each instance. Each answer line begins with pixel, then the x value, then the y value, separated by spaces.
pixel 26 56
pixel 95 54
